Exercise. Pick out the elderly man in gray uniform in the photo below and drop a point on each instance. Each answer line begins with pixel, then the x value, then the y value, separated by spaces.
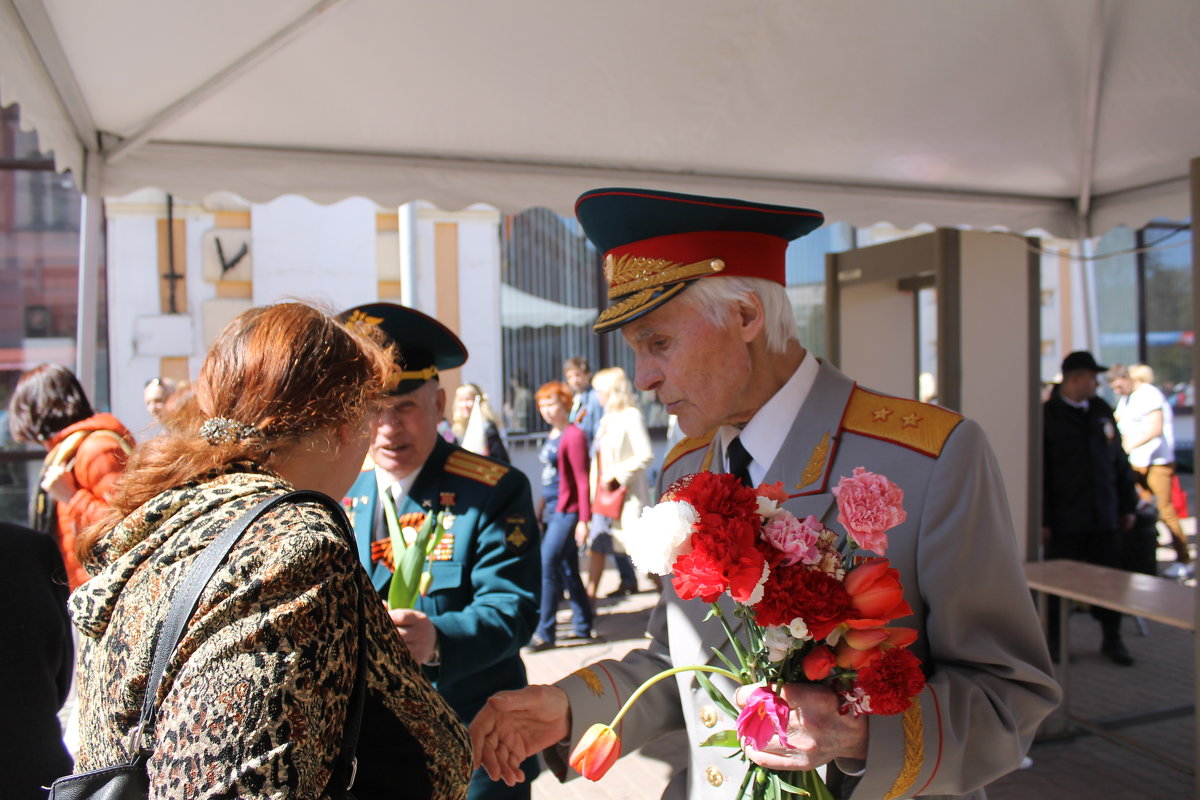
pixel 697 290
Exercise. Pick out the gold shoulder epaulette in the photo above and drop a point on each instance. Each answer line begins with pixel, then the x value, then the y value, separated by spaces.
pixel 475 467
pixel 368 464
pixel 687 445
pixel 912 424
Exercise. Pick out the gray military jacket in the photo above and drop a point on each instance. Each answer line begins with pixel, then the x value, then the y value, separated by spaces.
pixel 989 672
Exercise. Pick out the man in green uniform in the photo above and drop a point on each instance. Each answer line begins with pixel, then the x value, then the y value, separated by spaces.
pixel 484 572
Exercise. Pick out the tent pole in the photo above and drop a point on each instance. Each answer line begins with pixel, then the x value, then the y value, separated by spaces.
pixel 91 240
pixel 1091 121
pixel 408 255
pixel 1195 178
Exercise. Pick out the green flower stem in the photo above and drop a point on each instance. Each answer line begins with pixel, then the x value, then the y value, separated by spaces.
pixel 738 648
pixel 666 674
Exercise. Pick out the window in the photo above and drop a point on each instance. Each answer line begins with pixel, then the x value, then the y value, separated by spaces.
pixel 39 254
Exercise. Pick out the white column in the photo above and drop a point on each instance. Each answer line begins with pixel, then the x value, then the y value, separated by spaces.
pixel 90 238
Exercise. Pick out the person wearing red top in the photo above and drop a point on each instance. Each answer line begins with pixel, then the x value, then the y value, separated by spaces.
pixel 86 453
pixel 567 504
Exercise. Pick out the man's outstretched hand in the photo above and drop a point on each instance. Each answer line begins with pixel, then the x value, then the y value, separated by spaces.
pixel 514 725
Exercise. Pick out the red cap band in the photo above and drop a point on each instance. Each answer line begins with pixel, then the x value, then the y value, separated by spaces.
pixel 746 255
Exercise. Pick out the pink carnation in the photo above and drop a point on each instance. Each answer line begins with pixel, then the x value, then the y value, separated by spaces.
pixel 795 539
pixel 869 505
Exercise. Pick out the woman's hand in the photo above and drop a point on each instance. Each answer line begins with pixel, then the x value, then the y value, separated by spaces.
pixel 60 483
pixel 581 532
pixel 514 725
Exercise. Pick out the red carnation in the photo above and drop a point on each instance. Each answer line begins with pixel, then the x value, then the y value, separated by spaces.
pixel 716 493
pixel 725 554
pixel 892 680
pixel 722 559
pixel 800 591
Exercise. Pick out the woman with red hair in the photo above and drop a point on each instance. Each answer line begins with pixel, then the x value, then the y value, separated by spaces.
pixel 566 504
pixel 255 700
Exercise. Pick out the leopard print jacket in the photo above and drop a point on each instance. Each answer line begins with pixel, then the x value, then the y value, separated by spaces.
pixel 253 702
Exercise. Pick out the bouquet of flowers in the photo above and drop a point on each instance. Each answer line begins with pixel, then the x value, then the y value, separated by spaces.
pixel 813 610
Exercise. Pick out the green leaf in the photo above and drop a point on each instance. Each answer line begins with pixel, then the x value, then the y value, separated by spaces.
pixel 812 785
pixel 745 782
pixel 796 790
pixel 716 695
pixel 722 739
pixel 732 667
pixel 405 586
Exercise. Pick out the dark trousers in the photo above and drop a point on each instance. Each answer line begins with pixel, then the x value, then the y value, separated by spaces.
pixel 1094 547
pixel 560 569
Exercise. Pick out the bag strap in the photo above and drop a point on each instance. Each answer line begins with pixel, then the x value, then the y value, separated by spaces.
pixel 183 605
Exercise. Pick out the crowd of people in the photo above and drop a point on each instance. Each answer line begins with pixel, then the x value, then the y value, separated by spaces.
pixel 443 571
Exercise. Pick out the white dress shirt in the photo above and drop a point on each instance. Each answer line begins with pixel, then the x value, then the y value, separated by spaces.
pixel 763 435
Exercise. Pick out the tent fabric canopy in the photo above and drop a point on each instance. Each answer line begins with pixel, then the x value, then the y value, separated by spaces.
pixel 1023 114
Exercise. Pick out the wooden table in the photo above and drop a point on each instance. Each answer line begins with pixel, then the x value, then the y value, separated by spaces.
pixel 1133 593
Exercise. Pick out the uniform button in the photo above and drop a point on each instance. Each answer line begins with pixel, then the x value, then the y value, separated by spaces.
pixel 714 776
pixel 708 716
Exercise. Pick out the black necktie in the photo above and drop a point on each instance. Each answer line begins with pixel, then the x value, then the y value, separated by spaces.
pixel 738 460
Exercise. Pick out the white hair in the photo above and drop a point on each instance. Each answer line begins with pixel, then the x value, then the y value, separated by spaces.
pixel 716 299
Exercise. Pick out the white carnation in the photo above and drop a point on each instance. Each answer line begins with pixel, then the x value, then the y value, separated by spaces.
pixel 778 642
pixel 662 534
pixel 767 508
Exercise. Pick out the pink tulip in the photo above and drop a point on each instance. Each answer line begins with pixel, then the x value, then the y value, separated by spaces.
pixel 764 716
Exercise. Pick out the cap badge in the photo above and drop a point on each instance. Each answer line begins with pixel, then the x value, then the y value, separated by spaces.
pixel 629 273
pixel 361 321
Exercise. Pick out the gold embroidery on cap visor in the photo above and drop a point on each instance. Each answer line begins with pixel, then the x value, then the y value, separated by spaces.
pixel 617 315
pixel 640 283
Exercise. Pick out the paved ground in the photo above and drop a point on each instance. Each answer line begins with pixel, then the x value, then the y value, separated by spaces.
pixel 1085 766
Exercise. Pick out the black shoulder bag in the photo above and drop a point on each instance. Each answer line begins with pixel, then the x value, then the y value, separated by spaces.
pixel 129 781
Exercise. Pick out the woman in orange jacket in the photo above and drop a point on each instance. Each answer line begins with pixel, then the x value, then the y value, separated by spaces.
pixel 86 452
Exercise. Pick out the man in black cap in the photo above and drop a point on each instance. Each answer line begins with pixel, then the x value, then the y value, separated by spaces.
pixel 696 286
pixel 1089 497
pixel 484 573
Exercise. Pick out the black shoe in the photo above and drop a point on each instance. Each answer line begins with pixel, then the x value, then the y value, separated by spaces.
pixel 1117 653
pixel 623 590
pixel 537 645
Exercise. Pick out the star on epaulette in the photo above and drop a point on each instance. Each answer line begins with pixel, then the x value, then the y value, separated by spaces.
pixel 881 414
pixel 910 421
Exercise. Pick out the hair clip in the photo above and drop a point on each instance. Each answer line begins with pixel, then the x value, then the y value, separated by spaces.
pixel 221 430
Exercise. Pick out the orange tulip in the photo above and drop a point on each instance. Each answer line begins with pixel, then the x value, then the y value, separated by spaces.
pixel 860 647
pixel 597 751
pixel 875 591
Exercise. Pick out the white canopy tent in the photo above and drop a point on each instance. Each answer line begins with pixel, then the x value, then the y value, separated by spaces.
pixel 1065 115
pixel 1068 116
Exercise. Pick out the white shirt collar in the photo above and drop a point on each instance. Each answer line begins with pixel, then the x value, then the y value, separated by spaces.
pixel 397 487
pixel 1082 404
pixel 763 435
